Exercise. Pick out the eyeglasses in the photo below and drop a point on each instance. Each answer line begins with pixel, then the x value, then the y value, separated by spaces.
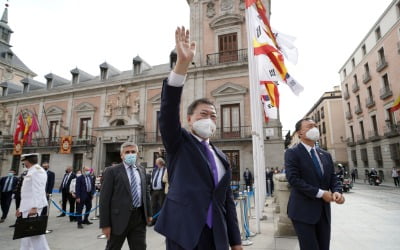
pixel 130 152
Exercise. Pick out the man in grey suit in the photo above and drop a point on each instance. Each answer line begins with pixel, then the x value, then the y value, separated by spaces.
pixel 125 202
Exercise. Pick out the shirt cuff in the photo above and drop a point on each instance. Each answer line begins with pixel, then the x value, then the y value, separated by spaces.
pixel 320 193
pixel 176 80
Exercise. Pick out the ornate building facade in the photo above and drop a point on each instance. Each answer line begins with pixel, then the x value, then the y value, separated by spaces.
pixel 103 111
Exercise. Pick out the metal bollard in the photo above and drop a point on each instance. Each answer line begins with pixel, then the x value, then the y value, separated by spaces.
pixel 48 212
pixel 245 241
pixel 96 216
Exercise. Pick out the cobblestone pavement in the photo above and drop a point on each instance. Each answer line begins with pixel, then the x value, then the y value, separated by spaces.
pixel 369 220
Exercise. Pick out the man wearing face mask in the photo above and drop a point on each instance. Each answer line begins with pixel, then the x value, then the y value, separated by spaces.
pixel 65 194
pixel 314 185
pixel 125 207
pixel 7 185
pixel 199 211
pixel 84 194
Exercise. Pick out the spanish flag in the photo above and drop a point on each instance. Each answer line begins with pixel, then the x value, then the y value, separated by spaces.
pixel 396 105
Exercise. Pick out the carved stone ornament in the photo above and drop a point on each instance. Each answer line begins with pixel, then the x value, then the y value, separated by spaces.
pixel 108 109
pixel 226 5
pixel 210 9
pixel 242 5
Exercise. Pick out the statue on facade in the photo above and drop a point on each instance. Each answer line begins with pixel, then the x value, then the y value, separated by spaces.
pixel 136 106
pixel 226 4
pixel 108 110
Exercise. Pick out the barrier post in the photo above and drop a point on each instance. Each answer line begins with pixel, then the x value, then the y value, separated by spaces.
pixel 242 200
pixel 96 216
pixel 48 212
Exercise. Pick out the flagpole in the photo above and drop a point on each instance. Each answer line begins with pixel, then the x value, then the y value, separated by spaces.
pixel 257 124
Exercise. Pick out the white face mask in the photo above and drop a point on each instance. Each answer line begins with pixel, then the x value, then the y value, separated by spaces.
pixel 77 175
pixel 313 134
pixel 204 128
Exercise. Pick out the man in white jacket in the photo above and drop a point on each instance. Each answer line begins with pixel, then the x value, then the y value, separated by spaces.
pixel 33 199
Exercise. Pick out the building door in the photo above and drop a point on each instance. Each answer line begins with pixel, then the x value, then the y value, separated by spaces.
pixel 77 162
pixel 234 161
pixel 228 48
pixel 113 154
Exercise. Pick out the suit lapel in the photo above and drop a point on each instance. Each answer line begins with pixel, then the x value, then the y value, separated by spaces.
pixel 125 179
pixel 309 159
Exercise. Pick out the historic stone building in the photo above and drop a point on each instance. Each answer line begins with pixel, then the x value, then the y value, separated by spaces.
pixel 327 112
pixel 103 111
pixel 370 81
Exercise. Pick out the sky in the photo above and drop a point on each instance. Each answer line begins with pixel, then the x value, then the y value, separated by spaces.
pixel 55 36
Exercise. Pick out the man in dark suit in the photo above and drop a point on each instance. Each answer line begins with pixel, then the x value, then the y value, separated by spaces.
pixel 7 185
pixel 199 211
pixel 311 175
pixel 66 195
pixel 157 187
pixel 84 194
pixel 248 178
pixel 125 202
pixel 49 184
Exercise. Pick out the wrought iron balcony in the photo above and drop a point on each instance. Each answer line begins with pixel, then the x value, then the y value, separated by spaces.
pixel 391 130
pixel 52 142
pixel 355 87
pixel 357 109
pixel 369 102
pixel 366 77
pixel 373 135
pixel 346 95
pixel 385 92
pixel 361 139
pixel 381 64
pixel 227 57
pixel 350 142
pixel 349 116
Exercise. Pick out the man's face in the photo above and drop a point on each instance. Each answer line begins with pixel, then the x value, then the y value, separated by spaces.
pixel 203 111
pixel 129 150
pixel 305 126
pixel 45 166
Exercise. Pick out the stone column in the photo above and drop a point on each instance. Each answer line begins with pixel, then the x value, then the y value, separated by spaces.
pixel 282 191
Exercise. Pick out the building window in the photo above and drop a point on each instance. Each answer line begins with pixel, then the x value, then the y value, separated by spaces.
pixel 234 162
pixel 228 47
pixel 75 78
pixel 362 130
pixel 230 122
pixel 119 122
pixel 53 130
pixel 45 158
pixel 344 72
pixel 103 73
pixel 378 34
pixel 323 128
pixel 158 133
pixel 364 157
pixel 322 113
pixel 366 68
pixel 353 63
pixel 378 156
pixel 354 157
pixel 374 125
pixel 77 162
pixel 364 50
pixel 395 153
pixel 84 128
pixel 352 133
pixel 16 160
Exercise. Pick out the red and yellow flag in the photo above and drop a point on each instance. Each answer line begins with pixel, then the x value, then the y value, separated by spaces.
pixel 396 105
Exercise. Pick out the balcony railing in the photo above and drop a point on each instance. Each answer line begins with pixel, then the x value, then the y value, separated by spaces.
pixel 385 92
pixel 391 130
pixel 226 134
pixel 348 115
pixel 357 109
pixel 355 87
pixel 366 77
pixel 346 95
pixel 381 64
pixel 369 102
pixel 373 135
pixel 361 139
pixel 227 57
pixel 52 142
pixel 350 142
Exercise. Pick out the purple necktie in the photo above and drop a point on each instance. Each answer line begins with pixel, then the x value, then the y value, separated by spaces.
pixel 213 165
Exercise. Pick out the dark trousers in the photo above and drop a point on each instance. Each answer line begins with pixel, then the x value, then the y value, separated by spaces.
pixel 135 233
pixel 313 236
pixel 66 196
pixel 396 181
pixel 44 210
pixel 79 208
pixel 157 199
pixel 206 241
pixel 5 203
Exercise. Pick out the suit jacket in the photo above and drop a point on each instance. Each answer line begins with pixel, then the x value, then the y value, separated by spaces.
pixel 116 198
pixel 81 188
pixel 153 175
pixel 50 182
pixel 192 188
pixel 305 182
pixel 3 182
pixel 72 176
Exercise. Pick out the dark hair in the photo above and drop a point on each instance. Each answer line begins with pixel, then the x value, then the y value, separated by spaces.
pixel 195 103
pixel 32 159
pixel 298 124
